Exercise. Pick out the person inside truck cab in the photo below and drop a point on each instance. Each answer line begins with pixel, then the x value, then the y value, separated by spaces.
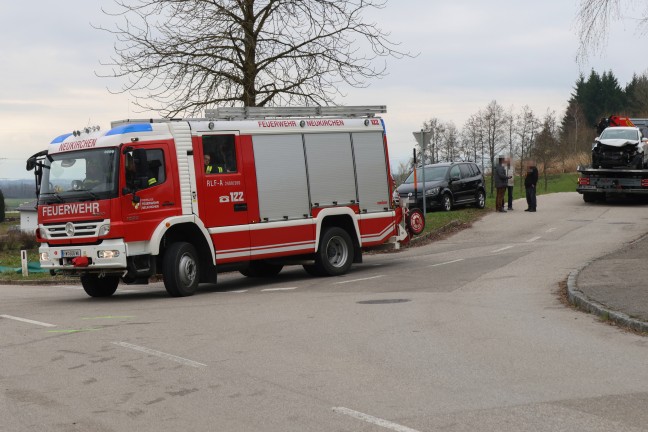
pixel 138 168
pixel 211 168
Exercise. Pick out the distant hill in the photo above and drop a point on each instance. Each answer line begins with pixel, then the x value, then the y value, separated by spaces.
pixel 18 188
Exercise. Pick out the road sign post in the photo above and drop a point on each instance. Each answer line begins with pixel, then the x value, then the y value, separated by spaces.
pixel 423 141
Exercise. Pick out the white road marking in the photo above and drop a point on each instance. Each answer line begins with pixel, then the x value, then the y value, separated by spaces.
pixel 502 249
pixel 235 292
pixel 160 354
pixel 531 240
pixel 447 262
pixel 279 289
pixel 551 230
pixel 358 280
pixel 27 321
pixel 373 420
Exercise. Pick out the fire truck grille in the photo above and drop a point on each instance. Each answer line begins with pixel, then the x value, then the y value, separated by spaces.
pixel 73 229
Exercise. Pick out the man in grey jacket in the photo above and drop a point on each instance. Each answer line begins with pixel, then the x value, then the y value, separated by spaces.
pixel 501 183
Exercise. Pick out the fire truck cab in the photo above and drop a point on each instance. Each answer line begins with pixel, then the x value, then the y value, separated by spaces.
pixel 248 189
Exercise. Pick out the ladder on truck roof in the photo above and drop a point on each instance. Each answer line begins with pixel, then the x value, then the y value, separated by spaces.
pixel 244 113
pixel 249 113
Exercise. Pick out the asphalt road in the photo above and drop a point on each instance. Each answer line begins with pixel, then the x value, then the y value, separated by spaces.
pixel 464 334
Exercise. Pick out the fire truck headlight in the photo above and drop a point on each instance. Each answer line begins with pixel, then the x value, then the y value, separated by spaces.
pixel 107 254
pixel 104 230
pixel 44 256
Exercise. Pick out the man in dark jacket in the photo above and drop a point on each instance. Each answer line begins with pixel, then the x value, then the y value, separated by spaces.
pixel 530 182
pixel 501 182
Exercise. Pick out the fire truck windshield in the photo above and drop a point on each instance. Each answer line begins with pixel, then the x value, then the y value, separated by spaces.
pixel 80 176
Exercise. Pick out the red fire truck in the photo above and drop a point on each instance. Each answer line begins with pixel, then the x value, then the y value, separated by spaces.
pixel 247 189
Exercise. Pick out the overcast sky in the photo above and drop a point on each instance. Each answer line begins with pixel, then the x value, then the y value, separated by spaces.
pixel 470 52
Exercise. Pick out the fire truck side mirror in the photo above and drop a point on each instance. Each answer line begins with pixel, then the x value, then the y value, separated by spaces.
pixel 127 150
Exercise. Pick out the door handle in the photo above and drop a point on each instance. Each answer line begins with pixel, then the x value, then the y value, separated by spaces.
pixel 240 207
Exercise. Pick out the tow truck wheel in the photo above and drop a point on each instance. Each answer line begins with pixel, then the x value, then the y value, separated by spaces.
pixel 261 269
pixel 335 254
pixel 181 271
pixel 96 286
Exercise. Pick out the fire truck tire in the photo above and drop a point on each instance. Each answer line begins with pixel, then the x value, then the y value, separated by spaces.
pixel 95 286
pixel 181 271
pixel 312 270
pixel 335 254
pixel 261 269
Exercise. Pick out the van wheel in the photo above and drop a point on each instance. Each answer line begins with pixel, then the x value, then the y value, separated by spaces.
pixel 480 200
pixel 261 269
pixel 95 286
pixel 335 254
pixel 181 271
pixel 446 202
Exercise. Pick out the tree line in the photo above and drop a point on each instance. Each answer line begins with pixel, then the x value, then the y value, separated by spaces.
pixel 553 142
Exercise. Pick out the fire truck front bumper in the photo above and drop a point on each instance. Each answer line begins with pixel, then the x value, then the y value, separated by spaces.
pixel 109 255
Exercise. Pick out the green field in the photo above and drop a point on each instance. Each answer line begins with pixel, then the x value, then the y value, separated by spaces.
pixel 12 203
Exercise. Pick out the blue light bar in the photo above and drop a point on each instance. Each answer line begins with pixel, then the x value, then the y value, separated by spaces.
pixel 60 139
pixel 130 128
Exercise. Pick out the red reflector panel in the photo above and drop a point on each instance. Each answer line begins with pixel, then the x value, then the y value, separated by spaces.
pixel 583 181
pixel 644 183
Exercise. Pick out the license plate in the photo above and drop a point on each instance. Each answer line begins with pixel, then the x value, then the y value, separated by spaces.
pixel 588 187
pixel 71 253
pixel 605 183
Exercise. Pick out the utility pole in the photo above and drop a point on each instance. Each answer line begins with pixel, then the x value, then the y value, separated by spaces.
pixel 423 140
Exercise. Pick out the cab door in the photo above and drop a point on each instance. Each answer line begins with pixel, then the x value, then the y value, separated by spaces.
pixel 147 173
pixel 222 197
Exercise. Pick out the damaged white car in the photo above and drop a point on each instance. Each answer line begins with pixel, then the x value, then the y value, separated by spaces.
pixel 620 147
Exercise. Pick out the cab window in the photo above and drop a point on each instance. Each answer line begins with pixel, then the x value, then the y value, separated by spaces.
pixel 219 154
pixel 145 168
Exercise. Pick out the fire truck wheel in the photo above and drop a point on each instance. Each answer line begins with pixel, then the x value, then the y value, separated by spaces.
pixel 95 286
pixel 313 270
pixel 261 269
pixel 335 254
pixel 181 272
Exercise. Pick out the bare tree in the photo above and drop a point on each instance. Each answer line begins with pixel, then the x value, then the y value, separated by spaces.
pixel 450 142
pixel 494 126
pixel 527 125
pixel 181 56
pixel 545 148
pixel 593 19
pixel 473 138
pixel 402 172
pixel 434 130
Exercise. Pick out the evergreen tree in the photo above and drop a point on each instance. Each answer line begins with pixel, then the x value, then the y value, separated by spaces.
pixel 636 92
